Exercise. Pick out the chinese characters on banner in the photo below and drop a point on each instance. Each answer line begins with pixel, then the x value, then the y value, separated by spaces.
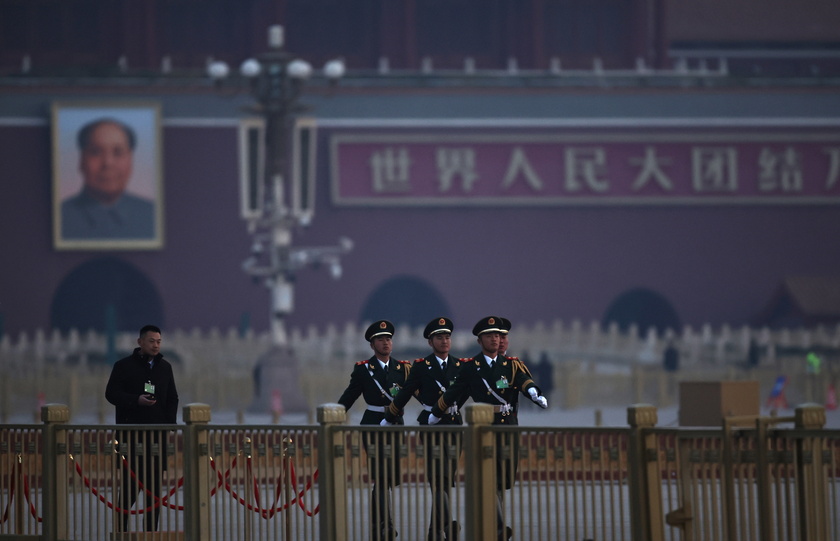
pixel 419 167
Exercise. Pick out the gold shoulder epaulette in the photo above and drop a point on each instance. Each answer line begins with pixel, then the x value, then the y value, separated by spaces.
pixel 520 365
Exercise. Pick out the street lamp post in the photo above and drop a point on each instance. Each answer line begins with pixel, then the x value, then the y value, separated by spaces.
pixel 277 79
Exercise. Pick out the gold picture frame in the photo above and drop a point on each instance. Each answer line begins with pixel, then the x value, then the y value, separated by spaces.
pixel 107 176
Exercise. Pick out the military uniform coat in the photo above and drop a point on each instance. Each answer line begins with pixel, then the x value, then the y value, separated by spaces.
pixel 380 447
pixel 362 384
pixel 478 380
pixel 476 376
pixel 427 382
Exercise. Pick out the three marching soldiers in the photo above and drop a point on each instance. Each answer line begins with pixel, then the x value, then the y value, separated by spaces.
pixel 441 383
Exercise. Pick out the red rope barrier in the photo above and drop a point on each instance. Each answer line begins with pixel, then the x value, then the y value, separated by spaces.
pixel 11 497
pixel 308 486
pixel 32 510
pixel 227 485
pixel 227 474
pixel 159 501
pixel 164 501
pixel 268 513
pixel 300 494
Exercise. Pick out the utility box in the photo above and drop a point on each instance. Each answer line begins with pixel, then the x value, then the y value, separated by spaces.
pixel 706 403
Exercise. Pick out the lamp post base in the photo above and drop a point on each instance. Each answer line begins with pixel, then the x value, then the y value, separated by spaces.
pixel 277 384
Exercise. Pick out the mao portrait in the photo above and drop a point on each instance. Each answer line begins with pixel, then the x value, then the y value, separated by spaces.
pixel 107 180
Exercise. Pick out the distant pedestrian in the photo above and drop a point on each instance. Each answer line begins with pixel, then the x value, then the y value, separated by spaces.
pixel 753 354
pixel 814 362
pixel 671 357
pixel 545 374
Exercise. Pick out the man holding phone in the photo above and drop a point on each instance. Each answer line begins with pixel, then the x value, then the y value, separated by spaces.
pixel 142 388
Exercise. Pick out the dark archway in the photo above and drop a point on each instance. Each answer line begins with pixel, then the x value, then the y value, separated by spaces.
pixel 404 299
pixel 87 292
pixel 643 307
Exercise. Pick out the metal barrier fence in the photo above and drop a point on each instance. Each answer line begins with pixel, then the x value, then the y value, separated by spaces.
pixel 752 483
pixel 263 482
pixel 749 480
pixel 21 449
pixel 108 470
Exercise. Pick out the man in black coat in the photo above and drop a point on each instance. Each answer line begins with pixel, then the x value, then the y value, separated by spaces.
pixel 142 388
pixel 379 379
pixel 430 377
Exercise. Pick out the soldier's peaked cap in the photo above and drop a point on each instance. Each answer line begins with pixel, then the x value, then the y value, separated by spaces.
pixel 438 325
pixel 505 325
pixel 488 324
pixel 383 327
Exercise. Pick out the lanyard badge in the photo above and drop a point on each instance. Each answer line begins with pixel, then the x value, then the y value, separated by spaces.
pixel 502 383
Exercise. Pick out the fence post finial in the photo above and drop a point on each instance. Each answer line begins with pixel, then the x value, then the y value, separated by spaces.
pixel 644 478
pixel 196 481
pixel 55 470
pixel 332 470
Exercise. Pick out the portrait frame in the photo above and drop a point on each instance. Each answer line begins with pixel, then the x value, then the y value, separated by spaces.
pixel 138 211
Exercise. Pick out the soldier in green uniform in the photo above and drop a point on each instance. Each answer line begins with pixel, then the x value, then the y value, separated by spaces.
pixel 379 379
pixel 430 377
pixel 491 378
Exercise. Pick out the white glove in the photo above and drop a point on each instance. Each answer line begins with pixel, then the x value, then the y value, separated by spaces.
pixel 433 420
pixel 384 422
pixel 537 399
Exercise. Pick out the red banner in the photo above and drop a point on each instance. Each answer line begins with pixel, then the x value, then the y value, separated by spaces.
pixel 440 166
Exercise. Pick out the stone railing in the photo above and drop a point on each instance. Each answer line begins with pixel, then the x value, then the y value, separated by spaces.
pixel 559 340
pixel 218 367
